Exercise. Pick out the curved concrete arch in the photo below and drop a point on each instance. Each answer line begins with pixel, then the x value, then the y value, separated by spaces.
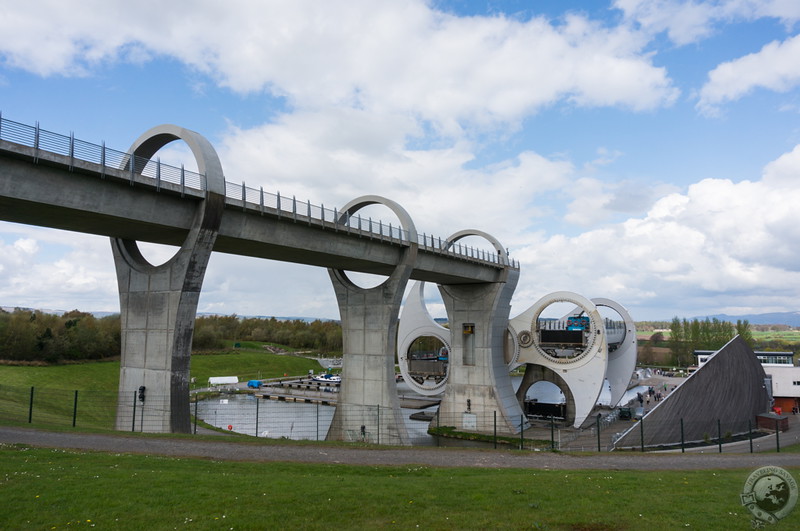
pixel 474 232
pixel 369 318
pixel 539 373
pixel 478 380
pixel 158 304
pixel 209 215
pixel 622 361
pixel 208 162
pixel 416 322
pixel 366 200
pixel 406 223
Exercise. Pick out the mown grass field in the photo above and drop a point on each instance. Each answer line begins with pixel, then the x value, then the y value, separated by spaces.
pixel 57 489
pixel 787 336
pixel 97 384
pixel 104 375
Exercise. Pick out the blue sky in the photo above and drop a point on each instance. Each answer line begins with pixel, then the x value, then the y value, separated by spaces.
pixel 644 151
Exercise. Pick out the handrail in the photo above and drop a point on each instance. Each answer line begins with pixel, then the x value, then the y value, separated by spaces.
pixel 249 199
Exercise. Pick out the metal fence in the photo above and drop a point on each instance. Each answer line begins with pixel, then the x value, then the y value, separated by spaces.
pixel 58 407
pixel 237 194
pixel 311 420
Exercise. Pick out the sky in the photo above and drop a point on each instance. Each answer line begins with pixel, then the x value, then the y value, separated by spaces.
pixel 643 151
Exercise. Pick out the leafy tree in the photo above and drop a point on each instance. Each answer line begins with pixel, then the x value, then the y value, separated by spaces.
pixel 743 329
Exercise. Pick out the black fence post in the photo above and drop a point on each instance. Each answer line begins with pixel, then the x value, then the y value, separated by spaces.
pixel 777 435
pixel 641 433
pixel 552 433
pixel 256 415
pixel 522 432
pixel 495 429
pixel 750 433
pixel 75 409
pixel 133 416
pixel 196 401
pixel 30 408
pixel 598 432
pixel 683 447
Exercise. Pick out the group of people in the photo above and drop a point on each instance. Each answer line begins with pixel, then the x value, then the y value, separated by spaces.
pixel 651 393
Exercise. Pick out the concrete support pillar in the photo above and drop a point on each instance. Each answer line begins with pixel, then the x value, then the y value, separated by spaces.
pixel 479 383
pixel 158 304
pixel 368 407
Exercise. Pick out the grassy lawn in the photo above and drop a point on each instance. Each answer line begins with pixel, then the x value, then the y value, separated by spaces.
pixel 104 375
pixel 97 384
pixel 57 489
pixel 249 364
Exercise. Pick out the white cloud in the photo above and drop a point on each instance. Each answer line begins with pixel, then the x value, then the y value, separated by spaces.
pixel 378 55
pixel 305 153
pixel 774 67
pixel 719 244
pixel 688 21
pixel 80 273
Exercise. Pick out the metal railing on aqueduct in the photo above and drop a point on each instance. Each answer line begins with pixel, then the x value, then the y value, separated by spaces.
pixel 237 194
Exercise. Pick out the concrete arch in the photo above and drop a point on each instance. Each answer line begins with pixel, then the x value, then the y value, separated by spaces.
pixel 406 223
pixel 209 215
pixel 539 373
pixel 158 304
pixel 369 319
pixel 501 252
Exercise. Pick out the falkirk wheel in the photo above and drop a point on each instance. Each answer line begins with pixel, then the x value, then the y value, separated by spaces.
pixel 580 352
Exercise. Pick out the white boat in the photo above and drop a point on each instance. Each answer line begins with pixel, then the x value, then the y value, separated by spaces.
pixel 327 378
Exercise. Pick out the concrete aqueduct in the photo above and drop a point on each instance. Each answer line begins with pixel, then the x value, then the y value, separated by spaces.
pixel 56 181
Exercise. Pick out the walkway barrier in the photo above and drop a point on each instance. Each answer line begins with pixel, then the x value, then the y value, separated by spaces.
pixel 58 407
pixel 298 418
pixel 163 176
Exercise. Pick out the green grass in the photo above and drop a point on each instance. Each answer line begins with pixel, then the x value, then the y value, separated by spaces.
pixel 788 336
pixel 249 364
pixel 104 376
pixel 97 384
pixel 57 489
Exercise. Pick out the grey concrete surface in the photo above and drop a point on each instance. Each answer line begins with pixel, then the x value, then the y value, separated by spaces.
pixel 223 449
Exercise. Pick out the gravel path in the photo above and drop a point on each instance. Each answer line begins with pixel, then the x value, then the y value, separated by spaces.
pixel 438 457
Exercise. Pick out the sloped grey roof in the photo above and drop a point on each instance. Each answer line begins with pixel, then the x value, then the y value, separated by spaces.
pixel 729 388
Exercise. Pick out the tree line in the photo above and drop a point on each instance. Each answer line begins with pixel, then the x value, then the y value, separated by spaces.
pixel 27 335
pixel 211 332
pixel 708 334
pixel 35 336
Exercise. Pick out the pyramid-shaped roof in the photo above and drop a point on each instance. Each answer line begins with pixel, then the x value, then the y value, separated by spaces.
pixel 729 389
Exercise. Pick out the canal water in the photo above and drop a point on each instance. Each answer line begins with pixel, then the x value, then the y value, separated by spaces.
pixel 300 421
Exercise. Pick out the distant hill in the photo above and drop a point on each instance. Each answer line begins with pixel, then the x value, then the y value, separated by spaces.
pixel 784 318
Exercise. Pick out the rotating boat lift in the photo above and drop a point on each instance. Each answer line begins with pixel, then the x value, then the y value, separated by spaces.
pixel 578 353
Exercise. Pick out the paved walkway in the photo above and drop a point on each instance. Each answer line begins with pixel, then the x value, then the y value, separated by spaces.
pixel 260 451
